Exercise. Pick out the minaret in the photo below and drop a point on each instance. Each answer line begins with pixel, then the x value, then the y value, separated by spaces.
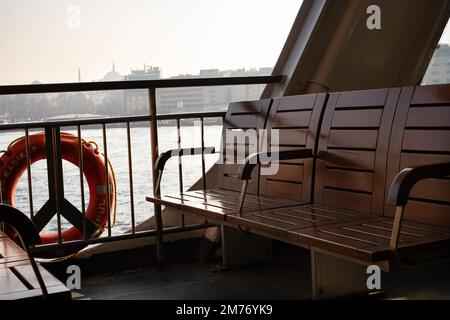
pixel 114 66
pixel 79 75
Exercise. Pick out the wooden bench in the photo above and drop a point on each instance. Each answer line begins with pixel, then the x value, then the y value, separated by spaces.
pixel 361 196
pixel 358 160
pixel 21 278
pixel 217 203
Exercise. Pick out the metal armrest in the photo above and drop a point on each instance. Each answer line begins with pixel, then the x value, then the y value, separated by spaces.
pixel 401 189
pixel 28 235
pixel 408 178
pixel 255 159
pixel 164 157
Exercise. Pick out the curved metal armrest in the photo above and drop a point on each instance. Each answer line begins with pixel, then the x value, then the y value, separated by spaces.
pixel 24 226
pixel 165 156
pixel 408 178
pixel 28 234
pixel 256 158
pixel 401 189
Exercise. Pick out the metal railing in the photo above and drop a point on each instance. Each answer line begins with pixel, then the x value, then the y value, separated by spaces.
pixel 58 205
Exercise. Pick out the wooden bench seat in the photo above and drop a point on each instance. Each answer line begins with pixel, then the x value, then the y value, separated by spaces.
pixel 216 204
pixel 9 251
pixel 279 222
pixel 17 279
pixel 368 239
pixel 360 236
pixel 357 194
pixel 20 276
pixel 296 119
pixel 351 214
pixel 369 181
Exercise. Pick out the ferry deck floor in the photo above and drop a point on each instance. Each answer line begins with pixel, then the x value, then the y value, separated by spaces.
pixel 287 276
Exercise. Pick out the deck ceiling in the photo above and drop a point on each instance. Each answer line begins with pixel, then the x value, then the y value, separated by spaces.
pixel 330 47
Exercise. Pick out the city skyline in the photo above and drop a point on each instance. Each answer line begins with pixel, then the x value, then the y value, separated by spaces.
pixel 109 74
pixel 38 107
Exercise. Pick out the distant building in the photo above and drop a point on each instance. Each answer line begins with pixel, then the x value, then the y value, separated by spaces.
pixel 439 69
pixel 101 97
pixel 4 118
pixel 177 100
pixel 112 75
pixel 136 101
pixel 198 99
pixel 191 99
pixel 147 73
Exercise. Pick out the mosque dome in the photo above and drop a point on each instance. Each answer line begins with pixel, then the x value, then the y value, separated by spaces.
pixel 113 75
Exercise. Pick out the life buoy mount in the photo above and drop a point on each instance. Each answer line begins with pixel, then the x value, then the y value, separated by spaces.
pixel 13 164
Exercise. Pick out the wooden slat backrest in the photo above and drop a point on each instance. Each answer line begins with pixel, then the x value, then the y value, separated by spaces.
pixel 241 117
pixel 353 147
pixel 296 120
pixel 420 136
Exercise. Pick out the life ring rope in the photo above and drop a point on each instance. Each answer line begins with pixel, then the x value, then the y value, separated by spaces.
pixel 114 179
pixel 110 167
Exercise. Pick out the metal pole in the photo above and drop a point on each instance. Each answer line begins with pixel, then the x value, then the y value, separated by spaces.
pixel 81 170
pixel 156 188
pixel 180 167
pixel 202 133
pixel 130 177
pixel 108 199
pixel 29 179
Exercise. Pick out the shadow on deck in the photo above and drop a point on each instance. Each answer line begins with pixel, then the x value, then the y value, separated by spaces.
pixel 288 276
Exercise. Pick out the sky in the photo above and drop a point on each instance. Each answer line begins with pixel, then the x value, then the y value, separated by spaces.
pixel 48 40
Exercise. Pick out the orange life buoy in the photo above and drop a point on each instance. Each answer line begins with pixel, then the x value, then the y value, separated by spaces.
pixel 13 163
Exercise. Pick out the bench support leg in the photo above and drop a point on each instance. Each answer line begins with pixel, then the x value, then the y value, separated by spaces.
pixel 336 278
pixel 240 248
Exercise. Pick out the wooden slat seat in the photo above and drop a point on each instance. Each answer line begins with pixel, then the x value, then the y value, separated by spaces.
pixel 421 136
pixel 367 239
pixel 279 222
pixel 360 236
pixel 350 174
pixel 216 204
pixel 339 201
pixel 297 119
pixel 17 279
pixel 242 117
pixel 351 215
pixel 18 282
pixel 9 251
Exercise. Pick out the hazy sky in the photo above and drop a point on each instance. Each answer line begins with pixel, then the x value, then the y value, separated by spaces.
pixel 39 40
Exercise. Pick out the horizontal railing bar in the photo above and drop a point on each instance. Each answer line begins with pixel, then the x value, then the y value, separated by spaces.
pixel 138 84
pixel 191 115
pixel 74 122
pixel 98 121
pixel 127 236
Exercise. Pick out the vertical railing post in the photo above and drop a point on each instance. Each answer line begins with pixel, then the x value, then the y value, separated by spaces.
pixel 29 179
pixel 55 173
pixel 180 166
pixel 81 170
pixel 156 188
pixel 202 133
